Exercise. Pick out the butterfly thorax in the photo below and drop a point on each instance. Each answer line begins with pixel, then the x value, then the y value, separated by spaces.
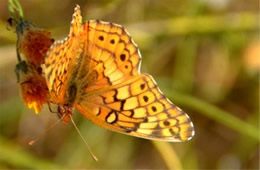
pixel 65 112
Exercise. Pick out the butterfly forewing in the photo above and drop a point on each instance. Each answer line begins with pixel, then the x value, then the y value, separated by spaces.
pixel 61 61
pixel 111 55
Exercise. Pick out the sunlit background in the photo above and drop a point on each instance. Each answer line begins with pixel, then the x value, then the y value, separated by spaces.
pixel 204 54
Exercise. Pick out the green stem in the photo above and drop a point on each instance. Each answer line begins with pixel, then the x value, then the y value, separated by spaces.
pixel 15 10
pixel 16 13
pixel 215 113
pixel 168 154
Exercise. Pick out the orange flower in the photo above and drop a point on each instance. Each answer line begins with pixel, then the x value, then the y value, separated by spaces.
pixel 34 89
pixel 33 42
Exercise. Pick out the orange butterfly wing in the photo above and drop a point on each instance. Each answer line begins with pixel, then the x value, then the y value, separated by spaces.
pixel 137 107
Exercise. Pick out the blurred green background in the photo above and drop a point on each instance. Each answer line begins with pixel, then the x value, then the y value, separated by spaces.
pixel 204 54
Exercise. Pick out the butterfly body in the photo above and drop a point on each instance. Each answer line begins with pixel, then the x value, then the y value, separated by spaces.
pixel 65 112
pixel 96 70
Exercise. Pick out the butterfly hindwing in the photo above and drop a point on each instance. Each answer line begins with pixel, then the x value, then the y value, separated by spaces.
pixel 137 107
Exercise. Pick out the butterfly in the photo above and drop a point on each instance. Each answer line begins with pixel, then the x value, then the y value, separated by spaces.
pixel 96 70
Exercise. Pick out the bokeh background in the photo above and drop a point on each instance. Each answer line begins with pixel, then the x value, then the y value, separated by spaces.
pixel 204 54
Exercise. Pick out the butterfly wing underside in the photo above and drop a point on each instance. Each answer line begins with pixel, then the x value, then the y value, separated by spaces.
pixel 138 107
pixel 119 97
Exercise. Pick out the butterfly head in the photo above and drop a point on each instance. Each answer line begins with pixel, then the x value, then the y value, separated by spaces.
pixel 65 112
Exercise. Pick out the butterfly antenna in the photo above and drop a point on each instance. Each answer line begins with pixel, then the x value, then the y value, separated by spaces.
pixel 89 149
pixel 44 133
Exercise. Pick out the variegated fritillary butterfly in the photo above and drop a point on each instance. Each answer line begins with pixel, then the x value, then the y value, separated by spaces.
pixel 96 70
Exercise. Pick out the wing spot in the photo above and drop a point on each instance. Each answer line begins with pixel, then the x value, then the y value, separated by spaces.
pixel 126 66
pixel 154 108
pixel 101 38
pixel 166 123
pixel 142 86
pixel 112 41
pixel 122 57
pixel 145 98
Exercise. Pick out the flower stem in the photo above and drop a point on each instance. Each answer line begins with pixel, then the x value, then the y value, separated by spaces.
pixel 16 17
pixel 15 10
pixel 168 155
